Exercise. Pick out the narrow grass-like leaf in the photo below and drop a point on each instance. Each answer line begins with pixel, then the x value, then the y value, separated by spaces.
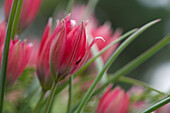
pixel 157 105
pixel 69 105
pixel 99 61
pixel 139 83
pixel 133 64
pixel 16 19
pixel 109 62
pixel 5 52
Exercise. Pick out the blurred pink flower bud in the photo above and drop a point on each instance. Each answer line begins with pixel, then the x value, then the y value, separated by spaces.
pixel 33 58
pixel 116 101
pixel 105 32
pixel 2 32
pixel 28 11
pixel 19 54
pixel 66 48
pixel 138 101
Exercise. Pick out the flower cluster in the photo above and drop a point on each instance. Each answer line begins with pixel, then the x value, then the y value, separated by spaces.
pixel 64 47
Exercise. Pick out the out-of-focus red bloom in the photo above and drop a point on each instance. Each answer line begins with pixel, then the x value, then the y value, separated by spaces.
pixel 2 32
pixel 28 11
pixel 163 109
pixel 33 58
pixel 68 51
pixel 116 101
pixel 19 54
pixel 103 31
pixel 137 100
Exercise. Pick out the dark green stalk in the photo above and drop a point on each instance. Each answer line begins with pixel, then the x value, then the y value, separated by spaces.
pixel 37 107
pixel 6 52
pixel 70 95
pixel 69 6
pixel 16 19
pixel 51 96
pixel 157 105
pixel 139 83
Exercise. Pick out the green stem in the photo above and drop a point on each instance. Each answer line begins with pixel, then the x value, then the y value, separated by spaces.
pixel 90 8
pixel 139 83
pixel 6 52
pixel 99 61
pixel 70 95
pixel 16 19
pixel 69 6
pixel 50 98
pixel 109 62
pixel 157 105
pixel 133 64
pixel 37 107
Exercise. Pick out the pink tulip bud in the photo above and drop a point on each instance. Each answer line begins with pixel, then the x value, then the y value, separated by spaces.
pixel 2 33
pixel 43 68
pixel 28 11
pixel 33 58
pixel 105 32
pixel 116 101
pixel 66 49
pixel 19 54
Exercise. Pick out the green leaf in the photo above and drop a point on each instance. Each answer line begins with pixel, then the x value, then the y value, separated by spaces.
pixel 6 51
pixel 109 62
pixel 136 62
pixel 139 83
pixel 157 105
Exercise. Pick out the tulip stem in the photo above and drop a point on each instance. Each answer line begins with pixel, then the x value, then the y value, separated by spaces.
pixel 37 107
pixel 139 83
pixel 70 95
pixel 51 96
pixel 6 52
pixel 16 19
pixel 157 105
pixel 69 6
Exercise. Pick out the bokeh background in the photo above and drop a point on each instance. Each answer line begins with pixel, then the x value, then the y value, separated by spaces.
pixel 124 14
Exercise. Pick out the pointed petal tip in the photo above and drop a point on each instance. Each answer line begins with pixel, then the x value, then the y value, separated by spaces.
pixel 158 20
pixel 99 38
pixel 50 21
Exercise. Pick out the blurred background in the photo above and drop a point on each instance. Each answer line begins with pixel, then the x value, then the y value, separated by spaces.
pixel 127 15
pixel 124 14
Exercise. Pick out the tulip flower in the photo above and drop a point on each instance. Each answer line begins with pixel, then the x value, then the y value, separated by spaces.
pixel 66 49
pixel 33 58
pixel 43 68
pixel 19 54
pixel 2 32
pixel 103 31
pixel 116 101
pixel 28 11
